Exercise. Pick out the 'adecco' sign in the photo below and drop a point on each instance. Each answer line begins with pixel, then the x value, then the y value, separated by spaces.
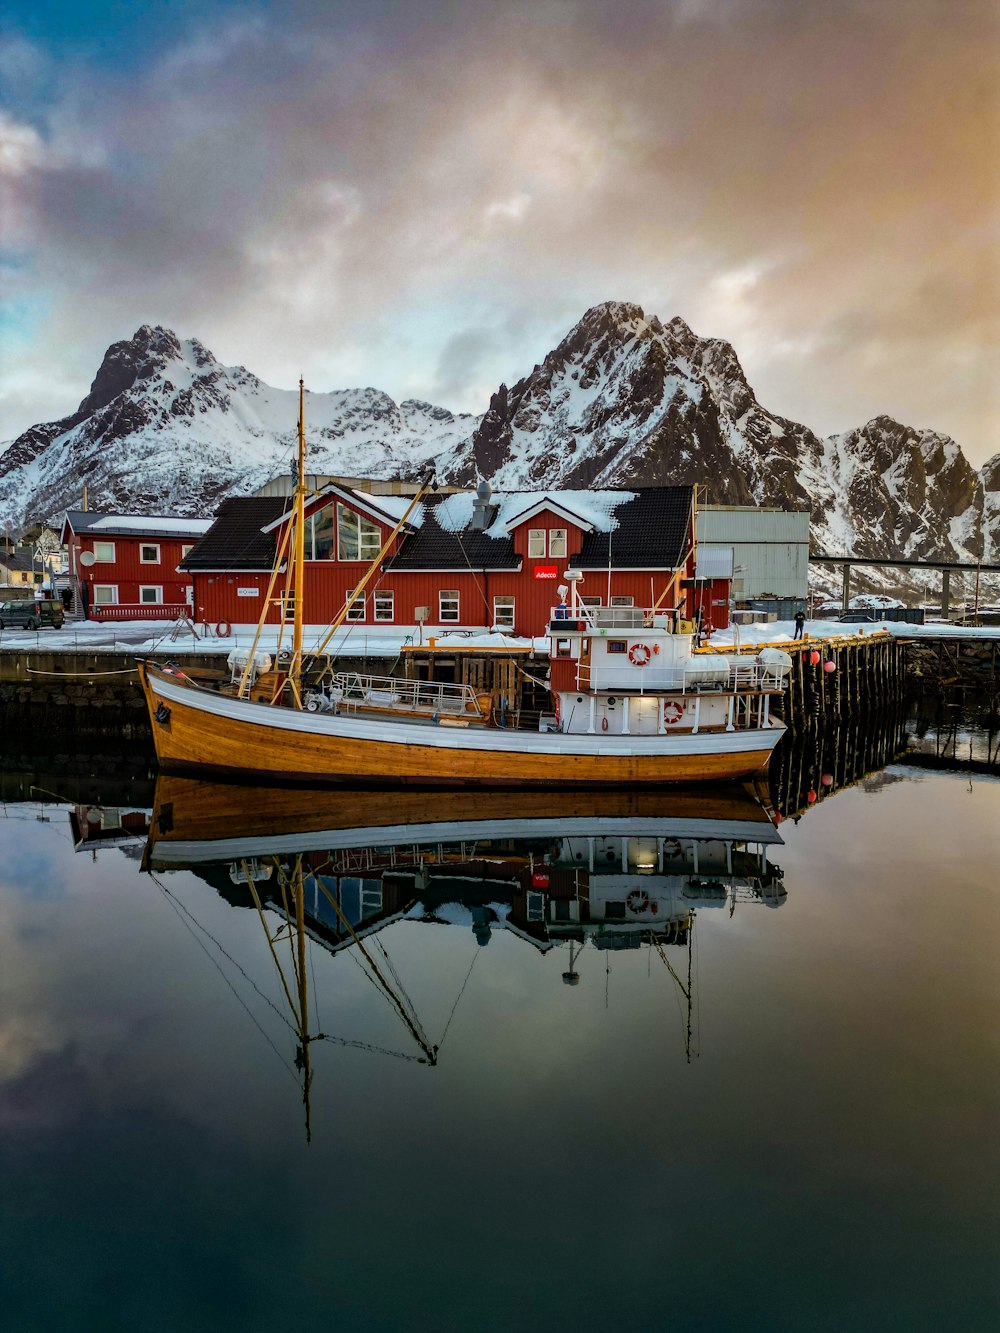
pixel 546 572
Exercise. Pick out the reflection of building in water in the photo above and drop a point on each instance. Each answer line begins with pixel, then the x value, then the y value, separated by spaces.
pixel 95 826
pixel 617 890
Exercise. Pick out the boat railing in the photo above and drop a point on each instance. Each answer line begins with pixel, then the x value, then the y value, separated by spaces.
pixel 351 691
pixel 611 617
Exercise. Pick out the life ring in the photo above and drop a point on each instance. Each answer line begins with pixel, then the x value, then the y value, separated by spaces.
pixel 637 901
pixel 639 654
pixel 672 712
pixel 671 847
pixel 223 629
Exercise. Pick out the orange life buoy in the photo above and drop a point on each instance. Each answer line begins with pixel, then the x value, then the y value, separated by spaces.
pixel 639 654
pixel 672 712
pixel 637 901
pixel 223 629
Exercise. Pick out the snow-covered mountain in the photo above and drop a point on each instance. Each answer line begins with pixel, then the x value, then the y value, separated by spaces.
pixel 167 429
pixel 623 400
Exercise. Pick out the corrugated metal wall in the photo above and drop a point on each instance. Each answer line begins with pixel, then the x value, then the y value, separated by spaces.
pixel 770 548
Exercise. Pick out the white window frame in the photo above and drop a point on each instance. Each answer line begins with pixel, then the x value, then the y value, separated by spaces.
pixel 384 600
pixel 154 588
pixel 446 597
pixel 369 534
pixel 536 543
pixel 149 546
pixel 356 609
pixel 104 559
pixel 112 588
pixel 505 603
pixel 591 601
pixel 186 551
pixel 622 601
pixel 558 542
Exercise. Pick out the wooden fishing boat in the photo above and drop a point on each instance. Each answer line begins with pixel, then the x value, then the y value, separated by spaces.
pixel 632 701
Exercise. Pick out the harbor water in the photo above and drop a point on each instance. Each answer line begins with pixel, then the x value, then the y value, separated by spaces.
pixel 480 1083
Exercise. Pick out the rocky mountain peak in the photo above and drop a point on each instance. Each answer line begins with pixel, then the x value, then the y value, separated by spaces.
pixel 624 399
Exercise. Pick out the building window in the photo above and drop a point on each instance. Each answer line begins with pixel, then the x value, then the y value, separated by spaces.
pixel 557 541
pixel 590 601
pixel 356 608
pixel 105 552
pixel 319 534
pixel 105 594
pixel 616 645
pixel 150 593
pixel 149 553
pixel 385 605
pixel 357 538
pixel 562 648
pixel 535 906
pixel 503 612
pixel 623 601
pixel 536 543
pixel 186 551
pixel 448 605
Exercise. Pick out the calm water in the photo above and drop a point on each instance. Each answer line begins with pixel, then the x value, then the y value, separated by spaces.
pixel 771 1104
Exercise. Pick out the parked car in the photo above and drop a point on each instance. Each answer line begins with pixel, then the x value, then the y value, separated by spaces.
pixel 31 615
pixel 858 618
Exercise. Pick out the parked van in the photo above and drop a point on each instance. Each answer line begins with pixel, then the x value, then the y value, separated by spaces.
pixel 31 615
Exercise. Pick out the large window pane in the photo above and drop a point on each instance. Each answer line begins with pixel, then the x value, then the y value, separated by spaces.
pixel 357 538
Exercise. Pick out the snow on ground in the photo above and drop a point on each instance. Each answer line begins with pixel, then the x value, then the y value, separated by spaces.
pixel 157 638
pixel 782 631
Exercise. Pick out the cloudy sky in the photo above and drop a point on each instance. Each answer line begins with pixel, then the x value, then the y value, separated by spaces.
pixel 425 195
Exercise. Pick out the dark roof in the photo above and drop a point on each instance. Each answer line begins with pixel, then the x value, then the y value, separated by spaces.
pixel 433 547
pixel 19 561
pixel 652 532
pixel 235 540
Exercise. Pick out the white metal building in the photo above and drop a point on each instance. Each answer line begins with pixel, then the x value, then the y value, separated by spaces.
pixel 769 549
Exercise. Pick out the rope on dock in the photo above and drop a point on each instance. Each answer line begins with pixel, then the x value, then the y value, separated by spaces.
pixel 90 675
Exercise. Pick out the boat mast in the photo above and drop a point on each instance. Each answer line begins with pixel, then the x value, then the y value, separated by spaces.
pixel 296 582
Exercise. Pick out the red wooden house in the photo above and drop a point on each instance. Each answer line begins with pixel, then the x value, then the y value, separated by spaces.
pixel 125 566
pixel 462 561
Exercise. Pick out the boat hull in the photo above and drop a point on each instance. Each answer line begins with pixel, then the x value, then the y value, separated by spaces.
pixel 198 730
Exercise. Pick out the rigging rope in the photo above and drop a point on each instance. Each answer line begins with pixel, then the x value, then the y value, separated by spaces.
pixel 173 903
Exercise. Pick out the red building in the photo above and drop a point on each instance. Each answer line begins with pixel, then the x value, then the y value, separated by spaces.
pixel 125 566
pixel 461 561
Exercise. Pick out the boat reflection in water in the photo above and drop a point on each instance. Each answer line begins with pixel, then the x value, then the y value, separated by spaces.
pixel 617 870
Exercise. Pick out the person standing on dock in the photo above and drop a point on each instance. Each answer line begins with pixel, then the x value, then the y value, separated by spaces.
pixel 800 623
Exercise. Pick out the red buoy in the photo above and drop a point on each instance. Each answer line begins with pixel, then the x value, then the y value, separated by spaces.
pixel 810 797
pixel 814 658
pixel 829 667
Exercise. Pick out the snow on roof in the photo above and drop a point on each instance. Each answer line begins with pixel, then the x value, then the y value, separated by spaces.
pixel 194 527
pixel 393 506
pixel 596 508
